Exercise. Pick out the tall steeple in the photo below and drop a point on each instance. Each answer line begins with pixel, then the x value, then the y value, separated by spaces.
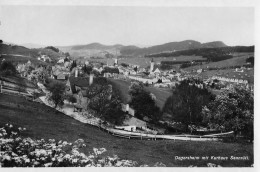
pixel 151 66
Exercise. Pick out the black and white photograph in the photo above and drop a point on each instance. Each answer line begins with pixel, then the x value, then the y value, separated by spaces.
pixel 127 84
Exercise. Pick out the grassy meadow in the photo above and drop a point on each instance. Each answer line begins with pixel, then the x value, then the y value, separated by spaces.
pixel 238 59
pixel 44 122
pixel 123 86
pixel 21 59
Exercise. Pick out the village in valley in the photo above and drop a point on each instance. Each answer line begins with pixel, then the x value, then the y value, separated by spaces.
pixel 167 105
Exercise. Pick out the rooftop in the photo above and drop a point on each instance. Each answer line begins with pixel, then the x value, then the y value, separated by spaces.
pixel 84 82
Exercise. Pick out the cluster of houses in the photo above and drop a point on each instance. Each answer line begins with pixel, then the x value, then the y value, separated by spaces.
pixel 78 87
pixel 44 58
pixel 23 67
pixel 233 80
pixel 60 72
pixel 152 76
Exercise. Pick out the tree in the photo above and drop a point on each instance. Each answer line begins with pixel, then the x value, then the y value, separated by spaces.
pixel 99 98
pixel 87 69
pixel 232 110
pixel 1 41
pixel 135 68
pixel 124 64
pixel 66 59
pixel 28 69
pixel 143 103
pixel 159 81
pixel 71 98
pixel 135 89
pixel 144 106
pixel 110 70
pixel 114 113
pixel 74 64
pixel 250 60
pixel 38 75
pixel 106 103
pixel 67 54
pixel 185 104
pixel 53 48
pixel 57 93
pixel 7 68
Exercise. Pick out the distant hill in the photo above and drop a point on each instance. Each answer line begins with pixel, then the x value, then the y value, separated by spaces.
pixel 31 45
pixel 97 49
pixel 215 44
pixel 206 52
pixel 17 50
pixel 96 46
pixel 92 46
pixel 170 47
pixel 32 53
pixel 93 49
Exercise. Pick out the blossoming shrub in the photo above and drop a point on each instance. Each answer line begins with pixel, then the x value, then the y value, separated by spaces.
pixel 16 151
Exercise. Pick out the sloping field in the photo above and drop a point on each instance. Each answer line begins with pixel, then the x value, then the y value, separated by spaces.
pixel 21 59
pixel 161 93
pixel 26 52
pixel 238 59
pixel 44 122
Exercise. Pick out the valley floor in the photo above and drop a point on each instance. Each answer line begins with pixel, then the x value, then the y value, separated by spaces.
pixel 42 121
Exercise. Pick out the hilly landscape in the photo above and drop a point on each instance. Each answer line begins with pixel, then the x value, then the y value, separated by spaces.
pixel 22 54
pixel 172 46
pixel 31 45
pixel 93 49
pixel 100 50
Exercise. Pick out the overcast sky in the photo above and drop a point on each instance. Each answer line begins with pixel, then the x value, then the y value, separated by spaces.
pixel 70 25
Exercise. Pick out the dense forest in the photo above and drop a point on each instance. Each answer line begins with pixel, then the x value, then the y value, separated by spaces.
pixel 212 54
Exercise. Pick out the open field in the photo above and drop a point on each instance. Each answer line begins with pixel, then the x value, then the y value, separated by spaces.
pixel 144 62
pixel 21 59
pixel 238 59
pixel 44 122
pixel 161 93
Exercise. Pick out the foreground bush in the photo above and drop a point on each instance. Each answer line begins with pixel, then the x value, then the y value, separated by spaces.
pixel 17 151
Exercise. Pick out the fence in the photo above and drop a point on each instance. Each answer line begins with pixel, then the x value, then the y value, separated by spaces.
pixel 11 91
pixel 141 136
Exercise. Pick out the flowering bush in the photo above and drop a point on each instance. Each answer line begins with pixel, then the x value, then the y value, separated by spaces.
pixel 17 151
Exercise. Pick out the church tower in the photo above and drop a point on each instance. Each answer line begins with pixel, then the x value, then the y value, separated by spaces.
pixel 151 66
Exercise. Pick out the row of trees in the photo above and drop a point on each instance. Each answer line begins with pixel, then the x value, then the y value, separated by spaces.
pixel 192 104
pixel 110 70
pixel 53 48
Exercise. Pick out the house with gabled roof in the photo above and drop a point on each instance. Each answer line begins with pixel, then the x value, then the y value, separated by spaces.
pixel 79 88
